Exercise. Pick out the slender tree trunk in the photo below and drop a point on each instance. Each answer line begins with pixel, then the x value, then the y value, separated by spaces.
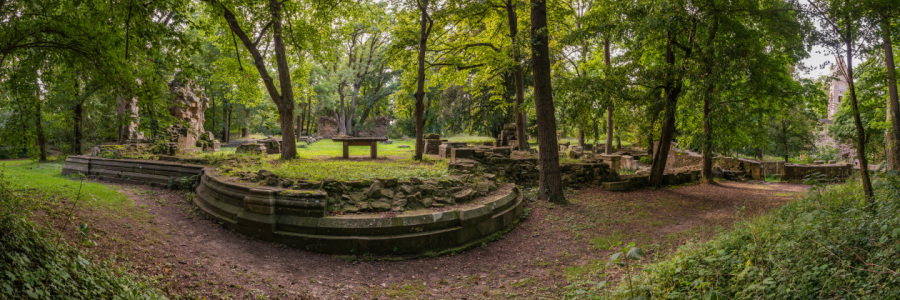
pixel 784 140
pixel 860 131
pixel 425 24
pixel 39 128
pixel 284 101
pixel 309 115
pixel 706 154
pixel 512 20
pixel 550 182
pixel 581 136
pixel 609 107
pixel 893 153
pixel 79 114
pixel 667 133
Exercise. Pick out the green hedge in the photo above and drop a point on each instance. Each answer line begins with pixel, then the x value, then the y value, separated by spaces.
pixel 831 244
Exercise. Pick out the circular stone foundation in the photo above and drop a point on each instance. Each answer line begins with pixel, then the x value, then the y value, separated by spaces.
pixel 298 218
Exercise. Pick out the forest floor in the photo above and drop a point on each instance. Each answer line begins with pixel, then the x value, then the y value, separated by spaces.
pixel 555 250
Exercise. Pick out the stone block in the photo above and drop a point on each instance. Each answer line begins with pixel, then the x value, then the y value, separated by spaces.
pixel 617 185
pixel 462 153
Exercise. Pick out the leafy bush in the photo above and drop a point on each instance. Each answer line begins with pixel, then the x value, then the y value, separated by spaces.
pixel 830 244
pixel 646 160
pixel 34 264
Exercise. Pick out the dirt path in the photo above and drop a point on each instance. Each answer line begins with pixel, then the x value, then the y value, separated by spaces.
pixel 189 256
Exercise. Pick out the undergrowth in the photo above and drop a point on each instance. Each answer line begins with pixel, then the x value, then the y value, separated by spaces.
pixel 36 264
pixel 831 244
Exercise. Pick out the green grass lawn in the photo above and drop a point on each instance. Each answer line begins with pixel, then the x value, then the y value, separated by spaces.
pixel 44 179
pixel 321 160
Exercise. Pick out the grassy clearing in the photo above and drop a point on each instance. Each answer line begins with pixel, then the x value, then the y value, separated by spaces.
pixel 320 161
pixel 44 180
pixel 307 169
pixel 830 244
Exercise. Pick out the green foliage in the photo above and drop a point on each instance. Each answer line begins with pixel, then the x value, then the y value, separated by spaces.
pixel 34 264
pixel 830 244
pixel 44 181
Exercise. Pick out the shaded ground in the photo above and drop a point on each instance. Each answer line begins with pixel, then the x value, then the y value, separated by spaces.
pixel 554 250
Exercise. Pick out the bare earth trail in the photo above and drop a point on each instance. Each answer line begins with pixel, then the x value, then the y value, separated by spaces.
pixel 189 256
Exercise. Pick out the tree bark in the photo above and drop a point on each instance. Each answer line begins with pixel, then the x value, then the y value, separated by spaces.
pixel 284 101
pixel 512 20
pixel 550 182
pixel 425 25
pixel 79 115
pixel 706 153
pixel 860 131
pixel 39 128
pixel 673 88
pixel 609 107
pixel 893 115
pixel 581 136
pixel 309 115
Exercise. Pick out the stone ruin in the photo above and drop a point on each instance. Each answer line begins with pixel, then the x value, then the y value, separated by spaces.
pixel 507 137
pixel 189 105
pixel 433 143
pixel 377 128
pixel 521 167
pixel 328 127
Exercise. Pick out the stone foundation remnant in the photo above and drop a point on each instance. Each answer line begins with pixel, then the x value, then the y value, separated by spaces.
pixel 328 127
pixel 433 143
pixel 507 137
pixel 189 105
pixel 252 148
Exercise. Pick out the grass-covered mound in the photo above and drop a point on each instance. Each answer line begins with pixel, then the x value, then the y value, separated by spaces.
pixel 831 244
pixel 35 263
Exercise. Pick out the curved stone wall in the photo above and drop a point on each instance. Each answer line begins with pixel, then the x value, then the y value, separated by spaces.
pixel 299 217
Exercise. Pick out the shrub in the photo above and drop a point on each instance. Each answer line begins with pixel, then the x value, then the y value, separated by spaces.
pixel 830 244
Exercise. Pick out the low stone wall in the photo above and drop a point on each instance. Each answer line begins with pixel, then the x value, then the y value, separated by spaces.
pixel 150 172
pixel 522 167
pixel 300 217
pixel 327 127
pixel 749 167
pixel 797 173
pixel 297 218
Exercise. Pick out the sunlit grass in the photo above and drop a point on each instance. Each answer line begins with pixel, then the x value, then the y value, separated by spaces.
pixel 44 179
pixel 307 169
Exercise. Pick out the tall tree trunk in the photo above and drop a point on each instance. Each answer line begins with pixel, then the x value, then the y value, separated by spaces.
pixel 284 101
pixel 860 131
pixel 245 131
pixel 425 24
pixel 609 107
pixel 550 182
pixel 706 153
pixel 893 140
pixel 581 136
pixel 309 115
pixel 512 20
pixel 79 115
pixel 39 128
pixel 667 132
pixel 784 140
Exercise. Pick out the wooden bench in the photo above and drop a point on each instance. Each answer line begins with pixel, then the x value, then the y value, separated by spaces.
pixel 372 142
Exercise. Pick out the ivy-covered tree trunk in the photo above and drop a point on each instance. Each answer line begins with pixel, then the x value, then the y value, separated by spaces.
pixel 424 30
pixel 860 131
pixel 893 108
pixel 550 186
